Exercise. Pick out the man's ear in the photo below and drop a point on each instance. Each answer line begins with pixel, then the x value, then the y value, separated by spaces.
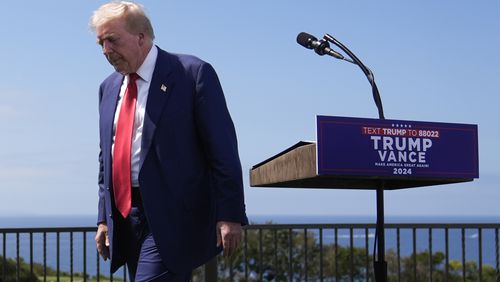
pixel 142 38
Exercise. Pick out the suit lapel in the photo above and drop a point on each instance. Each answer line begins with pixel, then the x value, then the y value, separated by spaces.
pixel 160 88
pixel 108 104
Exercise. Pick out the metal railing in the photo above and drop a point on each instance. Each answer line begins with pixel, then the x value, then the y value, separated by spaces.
pixel 278 252
pixel 45 249
pixel 344 252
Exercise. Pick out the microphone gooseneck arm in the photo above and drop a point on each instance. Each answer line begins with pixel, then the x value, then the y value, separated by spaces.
pixel 366 71
pixel 380 265
pixel 321 47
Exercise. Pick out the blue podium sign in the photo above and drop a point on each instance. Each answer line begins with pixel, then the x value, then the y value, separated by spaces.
pixel 396 149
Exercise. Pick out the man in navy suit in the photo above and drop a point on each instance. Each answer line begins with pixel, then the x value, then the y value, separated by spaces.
pixel 171 193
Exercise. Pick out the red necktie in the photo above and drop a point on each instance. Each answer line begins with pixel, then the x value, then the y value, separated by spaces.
pixel 123 147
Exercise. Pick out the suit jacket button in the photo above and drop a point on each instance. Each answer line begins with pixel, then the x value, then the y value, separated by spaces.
pixel 110 215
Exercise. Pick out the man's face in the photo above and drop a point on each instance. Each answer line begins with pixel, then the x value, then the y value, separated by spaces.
pixel 121 48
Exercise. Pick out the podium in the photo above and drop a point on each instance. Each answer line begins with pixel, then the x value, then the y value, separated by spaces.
pixel 356 153
pixel 374 154
pixel 378 154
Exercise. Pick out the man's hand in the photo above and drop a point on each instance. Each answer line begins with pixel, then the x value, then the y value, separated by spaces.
pixel 102 240
pixel 229 235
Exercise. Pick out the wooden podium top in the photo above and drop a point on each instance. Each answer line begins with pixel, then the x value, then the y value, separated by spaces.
pixel 296 167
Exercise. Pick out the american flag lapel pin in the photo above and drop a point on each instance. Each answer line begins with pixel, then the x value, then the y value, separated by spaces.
pixel 163 88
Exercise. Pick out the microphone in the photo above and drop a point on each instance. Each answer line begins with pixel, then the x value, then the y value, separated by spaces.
pixel 321 47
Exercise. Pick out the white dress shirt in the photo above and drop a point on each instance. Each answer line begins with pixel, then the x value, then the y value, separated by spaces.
pixel 145 73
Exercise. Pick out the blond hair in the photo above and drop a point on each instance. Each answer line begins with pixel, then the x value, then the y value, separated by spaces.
pixel 136 20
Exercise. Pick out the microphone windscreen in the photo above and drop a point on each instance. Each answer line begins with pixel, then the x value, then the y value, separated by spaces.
pixel 305 39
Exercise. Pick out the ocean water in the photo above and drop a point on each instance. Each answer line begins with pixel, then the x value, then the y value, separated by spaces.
pixel 471 238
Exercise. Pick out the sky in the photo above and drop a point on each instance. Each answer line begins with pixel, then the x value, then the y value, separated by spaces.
pixel 433 61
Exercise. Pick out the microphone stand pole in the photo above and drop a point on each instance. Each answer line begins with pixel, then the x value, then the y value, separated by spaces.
pixel 380 265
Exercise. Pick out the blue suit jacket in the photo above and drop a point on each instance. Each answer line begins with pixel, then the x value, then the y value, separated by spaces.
pixel 190 173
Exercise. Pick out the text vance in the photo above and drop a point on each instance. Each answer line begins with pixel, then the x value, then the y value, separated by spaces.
pixel 401 149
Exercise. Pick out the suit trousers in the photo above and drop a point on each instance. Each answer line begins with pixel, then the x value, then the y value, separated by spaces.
pixel 143 258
